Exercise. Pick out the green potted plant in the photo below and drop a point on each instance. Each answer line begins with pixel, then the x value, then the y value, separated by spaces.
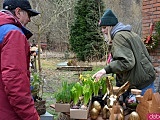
pixel 81 94
pixel 37 92
pixel 63 97
pixel 103 85
pixel 76 93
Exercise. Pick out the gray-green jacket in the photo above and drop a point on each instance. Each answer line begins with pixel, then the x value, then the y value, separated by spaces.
pixel 130 58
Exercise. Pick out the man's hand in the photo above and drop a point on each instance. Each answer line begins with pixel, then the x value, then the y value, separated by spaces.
pixel 99 74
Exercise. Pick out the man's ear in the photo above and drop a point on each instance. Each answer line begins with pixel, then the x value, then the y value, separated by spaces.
pixel 17 12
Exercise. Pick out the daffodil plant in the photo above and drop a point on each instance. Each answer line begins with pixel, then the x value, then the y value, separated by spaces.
pixel 87 94
pixel 76 92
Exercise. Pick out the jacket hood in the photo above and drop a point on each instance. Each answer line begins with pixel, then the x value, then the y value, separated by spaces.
pixel 6 17
pixel 120 27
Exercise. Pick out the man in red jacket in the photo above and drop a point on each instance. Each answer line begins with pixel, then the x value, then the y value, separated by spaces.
pixel 16 102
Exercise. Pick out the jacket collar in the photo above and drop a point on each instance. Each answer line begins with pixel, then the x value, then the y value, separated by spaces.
pixel 7 17
pixel 120 27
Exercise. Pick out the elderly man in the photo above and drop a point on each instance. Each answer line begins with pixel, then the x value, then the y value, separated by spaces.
pixel 16 102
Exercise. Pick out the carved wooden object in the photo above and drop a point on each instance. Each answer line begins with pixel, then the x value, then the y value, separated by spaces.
pixel 148 103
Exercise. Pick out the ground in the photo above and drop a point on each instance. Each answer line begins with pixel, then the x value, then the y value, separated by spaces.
pixel 53 78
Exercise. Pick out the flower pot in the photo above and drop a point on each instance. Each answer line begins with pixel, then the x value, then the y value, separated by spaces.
pixel 40 106
pixel 80 113
pixel 62 107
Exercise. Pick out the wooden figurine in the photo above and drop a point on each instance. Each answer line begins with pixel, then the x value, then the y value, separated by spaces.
pixel 134 116
pixel 116 113
pixel 148 103
pixel 111 100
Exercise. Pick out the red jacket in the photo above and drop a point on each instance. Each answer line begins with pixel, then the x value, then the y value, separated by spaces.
pixel 16 102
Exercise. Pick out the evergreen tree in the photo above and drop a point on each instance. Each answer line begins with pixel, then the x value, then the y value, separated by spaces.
pixel 85 35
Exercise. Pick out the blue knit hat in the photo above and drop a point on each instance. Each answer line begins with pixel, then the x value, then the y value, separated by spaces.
pixel 108 19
